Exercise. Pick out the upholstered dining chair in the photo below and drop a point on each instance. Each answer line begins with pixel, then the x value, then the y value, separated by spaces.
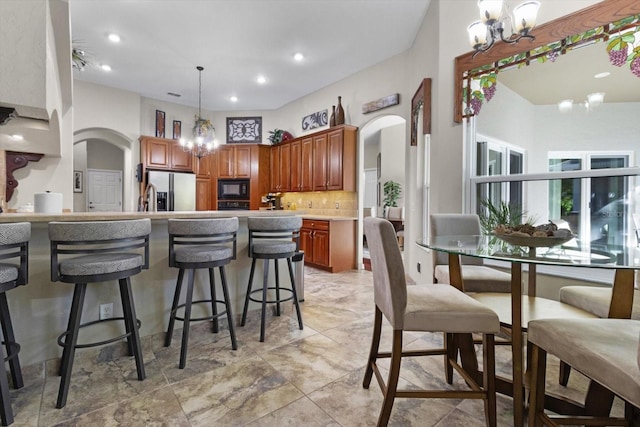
pixel 476 276
pixel 596 300
pixel 427 308
pixel 607 351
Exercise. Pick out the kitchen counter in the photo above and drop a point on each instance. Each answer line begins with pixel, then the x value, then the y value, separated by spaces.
pixel 40 309
pixel 106 216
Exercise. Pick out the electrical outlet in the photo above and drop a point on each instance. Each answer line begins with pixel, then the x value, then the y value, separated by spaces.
pixel 106 311
pixel 418 267
pixel 310 204
pixel 337 205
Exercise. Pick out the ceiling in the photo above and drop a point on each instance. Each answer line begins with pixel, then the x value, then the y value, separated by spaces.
pixel 571 76
pixel 235 41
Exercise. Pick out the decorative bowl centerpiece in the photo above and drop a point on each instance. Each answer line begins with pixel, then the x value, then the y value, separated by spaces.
pixel 541 236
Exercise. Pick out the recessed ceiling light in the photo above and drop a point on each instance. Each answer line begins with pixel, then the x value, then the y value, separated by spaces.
pixel 602 75
pixel 261 80
pixel 105 67
pixel 233 98
pixel 298 57
pixel 114 37
pixel 17 137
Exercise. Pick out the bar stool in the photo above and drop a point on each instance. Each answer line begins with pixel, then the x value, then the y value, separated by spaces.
pixel 272 238
pixel 91 252
pixel 194 244
pixel 14 243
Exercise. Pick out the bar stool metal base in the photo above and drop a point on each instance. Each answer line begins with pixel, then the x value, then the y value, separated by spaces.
pixel 187 305
pixel 265 288
pixel 69 339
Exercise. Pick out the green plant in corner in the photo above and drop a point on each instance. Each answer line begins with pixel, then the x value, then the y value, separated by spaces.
pixel 275 136
pixel 392 192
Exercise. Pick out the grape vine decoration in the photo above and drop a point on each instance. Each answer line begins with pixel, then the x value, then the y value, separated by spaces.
pixel 625 49
pixel 487 89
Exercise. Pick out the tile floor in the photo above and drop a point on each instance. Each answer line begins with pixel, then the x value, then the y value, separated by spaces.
pixel 310 378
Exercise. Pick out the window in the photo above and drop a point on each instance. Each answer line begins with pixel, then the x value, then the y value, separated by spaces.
pixel 597 209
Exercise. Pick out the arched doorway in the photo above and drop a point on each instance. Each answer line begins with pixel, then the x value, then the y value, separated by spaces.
pixel 98 136
pixel 382 135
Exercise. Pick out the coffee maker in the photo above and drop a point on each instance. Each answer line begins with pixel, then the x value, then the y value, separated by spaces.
pixel 274 200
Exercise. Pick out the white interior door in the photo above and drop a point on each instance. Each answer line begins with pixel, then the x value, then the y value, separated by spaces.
pixel 104 191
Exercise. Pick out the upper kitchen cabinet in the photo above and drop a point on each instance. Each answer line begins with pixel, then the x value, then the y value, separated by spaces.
pixel 234 161
pixel 205 166
pixel 280 171
pixel 334 159
pixel 164 154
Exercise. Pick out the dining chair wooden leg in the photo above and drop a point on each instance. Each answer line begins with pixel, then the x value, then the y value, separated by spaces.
pixel 489 378
pixel 564 373
pixel 375 344
pixel 537 394
pixel 451 353
pixel 392 382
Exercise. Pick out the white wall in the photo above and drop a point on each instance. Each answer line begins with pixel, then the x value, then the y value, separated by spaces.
pixel 392 144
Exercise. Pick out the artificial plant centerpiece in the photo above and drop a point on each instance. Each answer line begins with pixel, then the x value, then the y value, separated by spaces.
pixel 392 192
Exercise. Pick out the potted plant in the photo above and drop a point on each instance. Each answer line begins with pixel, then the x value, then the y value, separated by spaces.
pixel 392 192
pixel 277 136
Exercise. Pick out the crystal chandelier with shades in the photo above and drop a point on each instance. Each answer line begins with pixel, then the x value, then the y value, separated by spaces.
pixel 491 26
pixel 203 141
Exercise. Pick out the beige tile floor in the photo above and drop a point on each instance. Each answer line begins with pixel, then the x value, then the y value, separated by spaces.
pixel 311 377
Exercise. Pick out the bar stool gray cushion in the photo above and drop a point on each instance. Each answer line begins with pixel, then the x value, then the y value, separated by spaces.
pixel 595 299
pixel 8 273
pixel 274 247
pixel 88 265
pixel 605 350
pixel 192 228
pixel 104 263
pixel 98 230
pixel 10 234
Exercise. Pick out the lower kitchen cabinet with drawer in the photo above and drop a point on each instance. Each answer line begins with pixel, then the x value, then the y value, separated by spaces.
pixel 329 244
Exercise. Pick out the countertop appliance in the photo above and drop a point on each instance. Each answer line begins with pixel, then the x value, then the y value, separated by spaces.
pixel 175 191
pixel 274 200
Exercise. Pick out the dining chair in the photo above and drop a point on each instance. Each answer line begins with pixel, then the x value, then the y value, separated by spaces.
pixel 395 215
pixel 596 300
pixel 476 276
pixel 606 351
pixel 425 308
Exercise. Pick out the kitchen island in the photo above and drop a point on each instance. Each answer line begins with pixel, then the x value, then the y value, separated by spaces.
pixel 40 309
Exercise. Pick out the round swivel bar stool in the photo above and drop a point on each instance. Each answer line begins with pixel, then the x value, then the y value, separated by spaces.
pixel 14 245
pixel 272 238
pixel 91 252
pixel 194 244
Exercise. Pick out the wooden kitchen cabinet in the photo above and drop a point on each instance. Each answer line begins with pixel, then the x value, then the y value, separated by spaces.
pixel 334 159
pixel 234 161
pixel 164 154
pixel 280 167
pixel 206 182
pixel 203 194
pixel 329 244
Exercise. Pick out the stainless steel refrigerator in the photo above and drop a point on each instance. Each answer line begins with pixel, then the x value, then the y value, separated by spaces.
pixel 175 191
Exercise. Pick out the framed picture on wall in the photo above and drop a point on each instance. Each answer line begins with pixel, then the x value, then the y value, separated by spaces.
pixel 77 181
pixel 177 129
pixel 244 129
pixel 159 124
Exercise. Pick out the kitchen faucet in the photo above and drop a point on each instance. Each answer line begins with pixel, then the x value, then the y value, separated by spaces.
pixel 152 202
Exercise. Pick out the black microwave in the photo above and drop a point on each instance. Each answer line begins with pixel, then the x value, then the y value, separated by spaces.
pixel 233 189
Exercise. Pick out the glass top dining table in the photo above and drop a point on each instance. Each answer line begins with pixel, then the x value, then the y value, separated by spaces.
pixel 624 260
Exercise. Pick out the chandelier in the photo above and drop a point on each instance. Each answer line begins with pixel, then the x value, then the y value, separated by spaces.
pixel 203 130
pixel 484 33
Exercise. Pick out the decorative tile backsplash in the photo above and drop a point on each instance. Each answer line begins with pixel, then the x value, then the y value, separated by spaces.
pixel 338 203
